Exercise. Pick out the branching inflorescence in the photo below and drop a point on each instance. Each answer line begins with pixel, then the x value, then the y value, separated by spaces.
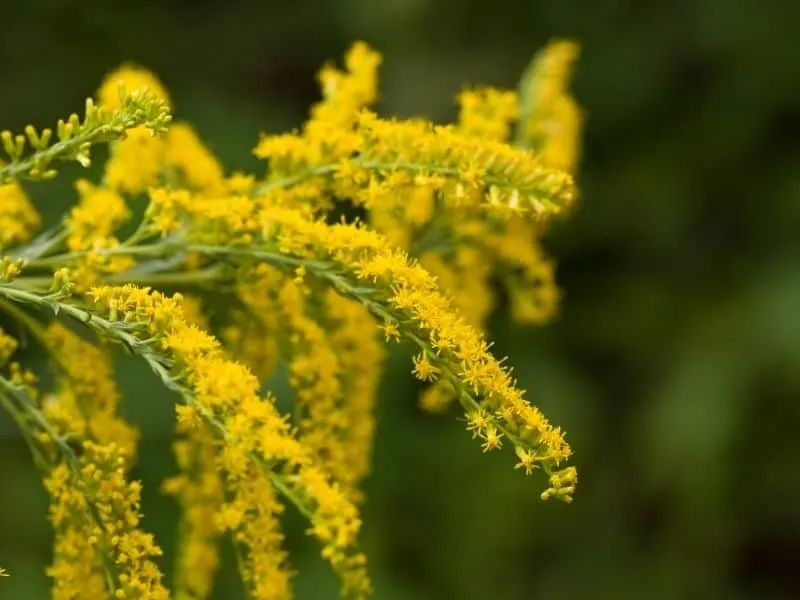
pixel 452 210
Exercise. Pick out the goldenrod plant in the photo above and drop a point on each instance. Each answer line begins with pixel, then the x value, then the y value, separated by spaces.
pixel 447 211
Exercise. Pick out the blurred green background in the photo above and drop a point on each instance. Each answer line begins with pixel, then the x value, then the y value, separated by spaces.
pixel 674 364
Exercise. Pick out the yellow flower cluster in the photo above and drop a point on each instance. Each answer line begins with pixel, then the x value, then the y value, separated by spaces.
pixel 511 249
pixel 135 162
pixel 92 222
pixel 252 514
pixel 17 375
pixel 403 294
pixel 330 134
pixel 141 160
pixel 224 394
pixel 8 345
pixel 99 545
pixel 407 296
pixel 249 340
pixel 409 292
pixel 394 154
pixel 424 186
pixel 550 118
pixel 86 401
pixel 352 335
pixel 188 159
pixel 333 363
pixel 314 369
pixel 18 218
pixel 344 94
pixel 90 228
pixel 94 509
pixel 487 113
pixel 450 211
pixel 200 494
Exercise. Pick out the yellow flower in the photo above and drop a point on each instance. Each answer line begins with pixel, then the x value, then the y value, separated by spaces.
pixel 423 368
pixel 79 570
pixel 225 393
pixel 352 335
pixel 487 112
pixel 551 119
pixel 18 218
pixel 448 211
pixel 191 160
pixel 200 492
pixel 86 400
pixel 8 345
pixel 128 78
pixel 345 92
pixel 92 222
pixel 136 161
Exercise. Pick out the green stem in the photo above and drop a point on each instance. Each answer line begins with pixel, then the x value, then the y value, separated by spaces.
pixel 16 416
pixel 63 259
pixel 19 168
pixel 179 278
pixel 42 245
pixel 375 166
pixel 24 318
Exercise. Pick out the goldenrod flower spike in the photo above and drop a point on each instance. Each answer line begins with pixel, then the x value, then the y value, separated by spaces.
pixel 358 263
pixel 224 394
pixel 199 490
pixel 100 551
pixel 550 119
pixel 86 401
pixel 392 154
pixel 99 480
pixel 448 210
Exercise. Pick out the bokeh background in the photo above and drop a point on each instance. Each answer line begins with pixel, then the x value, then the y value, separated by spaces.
pixel 674 364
